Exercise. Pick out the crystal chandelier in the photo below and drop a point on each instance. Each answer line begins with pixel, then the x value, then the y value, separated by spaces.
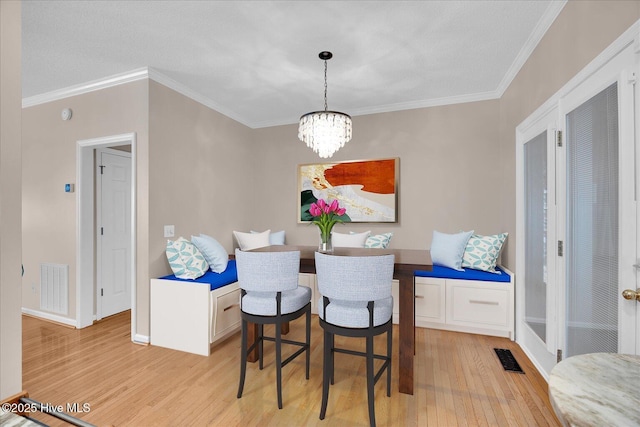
pixel 325 131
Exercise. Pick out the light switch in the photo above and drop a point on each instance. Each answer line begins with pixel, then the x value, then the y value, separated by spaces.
pixel 169 231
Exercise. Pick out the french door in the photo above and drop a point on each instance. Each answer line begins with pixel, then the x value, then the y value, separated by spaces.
pixel 578 220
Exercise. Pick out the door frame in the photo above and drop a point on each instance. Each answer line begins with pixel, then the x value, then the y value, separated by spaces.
pixel 85 227
pixel 98 205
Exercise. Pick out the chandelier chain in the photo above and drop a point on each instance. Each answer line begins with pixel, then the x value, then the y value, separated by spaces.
pixel 325 85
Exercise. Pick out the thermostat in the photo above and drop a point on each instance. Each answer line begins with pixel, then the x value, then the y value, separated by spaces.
pixel 68 188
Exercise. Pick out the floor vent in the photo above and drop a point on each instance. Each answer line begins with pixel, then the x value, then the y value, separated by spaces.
pixel 54 288
pixel 509 363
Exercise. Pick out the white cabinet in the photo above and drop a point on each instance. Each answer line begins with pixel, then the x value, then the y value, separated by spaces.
pixel 188 316
pixel 463 305
pixel 309 280
pixel 225 305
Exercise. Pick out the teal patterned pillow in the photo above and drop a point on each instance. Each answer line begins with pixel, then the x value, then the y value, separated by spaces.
pixel 378 241
pixel 482 252
pixel 185 259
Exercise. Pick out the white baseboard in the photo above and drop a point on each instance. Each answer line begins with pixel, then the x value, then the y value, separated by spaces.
pixel 49 316
pixel 141 339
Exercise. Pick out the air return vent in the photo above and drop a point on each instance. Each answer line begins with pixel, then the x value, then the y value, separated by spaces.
pixel 54 288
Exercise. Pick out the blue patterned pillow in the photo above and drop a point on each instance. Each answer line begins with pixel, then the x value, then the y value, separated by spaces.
pixel 482 252
pixel 378 241
pixel 185 259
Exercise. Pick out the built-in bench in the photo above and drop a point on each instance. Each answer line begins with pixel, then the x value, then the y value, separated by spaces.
pixel 466 301
pixel 190 315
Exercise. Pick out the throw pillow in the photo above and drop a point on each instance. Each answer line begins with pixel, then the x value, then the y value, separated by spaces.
pixel 378 241
pixel 447 249
pixel 214 253
pixel 353 240
pixel 275 238
pixel 482 252
pixel 185 259
pixel 248 241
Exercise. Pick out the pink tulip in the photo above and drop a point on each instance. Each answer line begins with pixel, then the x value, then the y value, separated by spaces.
pixel 321 204
pixel 314 210
pixel 334 205
pixel 341 211
pixel 326 209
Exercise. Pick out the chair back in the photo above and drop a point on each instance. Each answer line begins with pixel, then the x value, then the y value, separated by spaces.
pixel 268 271
pixel 354 278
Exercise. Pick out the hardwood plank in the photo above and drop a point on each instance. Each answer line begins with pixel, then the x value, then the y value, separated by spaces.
pixel 458 381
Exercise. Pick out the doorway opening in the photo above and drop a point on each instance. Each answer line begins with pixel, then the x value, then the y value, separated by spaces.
pixel 86 236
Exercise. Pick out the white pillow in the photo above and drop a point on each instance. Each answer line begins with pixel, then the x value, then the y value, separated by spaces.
pixel 354 240
pixel 275 238
pixel 248 241
pixel 215 254
pixel 185 260
pixel 447 249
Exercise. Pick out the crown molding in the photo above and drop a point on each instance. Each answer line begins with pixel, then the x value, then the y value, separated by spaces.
pixel 182 89
pixel 114 80
pixel 549 16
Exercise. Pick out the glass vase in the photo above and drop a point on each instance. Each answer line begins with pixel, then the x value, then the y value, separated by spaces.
pixel 325 245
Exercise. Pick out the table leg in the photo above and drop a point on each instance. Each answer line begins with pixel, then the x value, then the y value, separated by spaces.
pixel 252 333
pixel 407 332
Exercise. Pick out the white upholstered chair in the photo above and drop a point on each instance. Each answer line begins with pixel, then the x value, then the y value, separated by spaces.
pixel 355 301
pixel 271 295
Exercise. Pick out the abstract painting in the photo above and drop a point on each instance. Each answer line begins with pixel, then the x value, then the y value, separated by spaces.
pixel 368 189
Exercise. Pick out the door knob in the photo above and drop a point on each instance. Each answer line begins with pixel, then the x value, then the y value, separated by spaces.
pixel 631 295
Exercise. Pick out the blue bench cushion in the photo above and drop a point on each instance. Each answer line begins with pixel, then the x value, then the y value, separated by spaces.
pixel 467 274
pixel 216 280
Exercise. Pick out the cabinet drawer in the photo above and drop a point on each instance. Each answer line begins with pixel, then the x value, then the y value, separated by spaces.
pixel 227 311
pixel 430 299
pixel 477 306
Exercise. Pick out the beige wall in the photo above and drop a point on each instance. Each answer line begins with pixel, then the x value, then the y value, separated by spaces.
pixel 582 30
pixel 201 165
pixel 49 161
pixel 10 195
pixel 448 178
pixel 205 173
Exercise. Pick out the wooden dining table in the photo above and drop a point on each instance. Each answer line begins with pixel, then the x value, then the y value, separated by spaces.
pixel 407 261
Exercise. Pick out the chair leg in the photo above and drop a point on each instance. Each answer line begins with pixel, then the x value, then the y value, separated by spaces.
pixel 389 356
pixel 308 341
pixel 333 359
pixel 243 358
pixel 370 382
pixel 260 344
pixel 326 374
pixel 279 363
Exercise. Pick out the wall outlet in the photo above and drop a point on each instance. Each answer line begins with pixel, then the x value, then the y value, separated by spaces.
pixel 169 231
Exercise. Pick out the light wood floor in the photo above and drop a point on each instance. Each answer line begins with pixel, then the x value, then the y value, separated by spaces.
pixel 459 381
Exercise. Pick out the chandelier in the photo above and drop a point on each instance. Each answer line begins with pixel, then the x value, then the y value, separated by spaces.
pixel 325 132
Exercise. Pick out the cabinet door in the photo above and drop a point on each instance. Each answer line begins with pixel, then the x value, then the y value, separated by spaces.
pixel 430 299
pixel 309 280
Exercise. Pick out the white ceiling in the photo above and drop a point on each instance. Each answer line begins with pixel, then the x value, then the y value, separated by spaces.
pixel 257 61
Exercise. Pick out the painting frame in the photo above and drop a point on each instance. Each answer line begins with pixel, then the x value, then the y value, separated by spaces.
pixel 367 188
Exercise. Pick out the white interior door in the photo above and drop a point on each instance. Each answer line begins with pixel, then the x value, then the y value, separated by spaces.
pixel 113 232
pixel 577 216
pixel 600 216
pixel 536 259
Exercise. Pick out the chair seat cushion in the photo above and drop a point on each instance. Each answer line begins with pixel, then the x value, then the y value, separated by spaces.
pixel 354 314
pixel 264 303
